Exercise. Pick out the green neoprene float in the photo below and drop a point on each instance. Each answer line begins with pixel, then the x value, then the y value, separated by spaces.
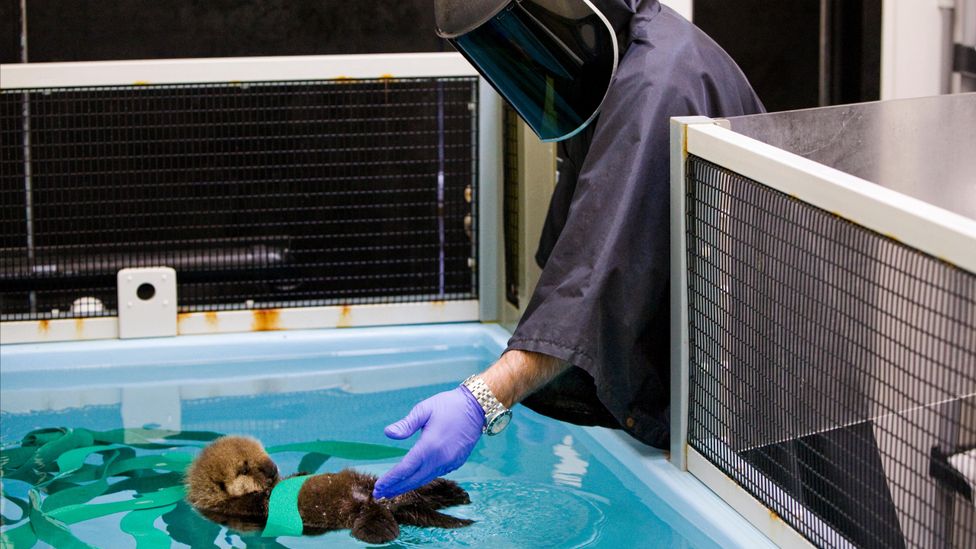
pixel 283 516
pixel 55 463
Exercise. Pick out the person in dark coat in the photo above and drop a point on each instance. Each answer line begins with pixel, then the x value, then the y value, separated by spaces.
pixel 592 346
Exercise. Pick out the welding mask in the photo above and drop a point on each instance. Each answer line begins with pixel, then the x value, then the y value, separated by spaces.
pixel 551 60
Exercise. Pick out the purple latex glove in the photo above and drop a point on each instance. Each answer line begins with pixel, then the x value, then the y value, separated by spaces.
pixel 451 425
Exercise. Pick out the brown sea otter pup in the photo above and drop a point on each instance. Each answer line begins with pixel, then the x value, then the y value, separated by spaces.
pixel 230 482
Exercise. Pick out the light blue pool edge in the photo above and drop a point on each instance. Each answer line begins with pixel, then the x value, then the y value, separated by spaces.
pixel 704 513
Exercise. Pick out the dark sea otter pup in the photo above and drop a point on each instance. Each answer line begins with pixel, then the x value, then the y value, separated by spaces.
pixel 230 482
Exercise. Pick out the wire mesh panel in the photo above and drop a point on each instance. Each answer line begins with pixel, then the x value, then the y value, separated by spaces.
pixel 832 369
pixel 510 160
pixel 273 194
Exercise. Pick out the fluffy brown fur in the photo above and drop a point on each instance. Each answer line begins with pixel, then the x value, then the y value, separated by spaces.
pixel 230 482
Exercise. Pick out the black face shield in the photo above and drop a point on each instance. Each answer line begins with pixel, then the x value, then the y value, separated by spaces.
pixel 551 60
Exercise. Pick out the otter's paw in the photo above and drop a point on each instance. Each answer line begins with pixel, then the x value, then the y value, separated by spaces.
pixel 375 524
pixel 441 492
pixel 418 515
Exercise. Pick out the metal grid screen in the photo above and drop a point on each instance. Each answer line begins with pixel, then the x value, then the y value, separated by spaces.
pixel 267 195
pixel 832 369
pixel 510 161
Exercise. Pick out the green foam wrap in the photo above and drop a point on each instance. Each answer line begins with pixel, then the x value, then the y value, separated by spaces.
pixel 57 465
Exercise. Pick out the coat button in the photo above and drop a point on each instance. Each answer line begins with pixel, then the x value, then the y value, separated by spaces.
pixel 629 422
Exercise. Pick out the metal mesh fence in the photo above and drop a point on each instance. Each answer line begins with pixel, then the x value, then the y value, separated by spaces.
pixel 832 369
pixel 510 156
pixel 272 194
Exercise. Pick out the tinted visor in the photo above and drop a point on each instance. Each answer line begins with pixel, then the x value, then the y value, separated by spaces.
pixel 552 60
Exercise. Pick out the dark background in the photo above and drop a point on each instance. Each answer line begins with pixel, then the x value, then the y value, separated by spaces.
pixel 87 30
pixel 776 42
pixel 123 192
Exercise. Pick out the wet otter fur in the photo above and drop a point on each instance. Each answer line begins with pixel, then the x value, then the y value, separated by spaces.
pixel 230 482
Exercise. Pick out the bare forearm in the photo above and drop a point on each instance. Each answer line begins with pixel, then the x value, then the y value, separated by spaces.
pixel 517 374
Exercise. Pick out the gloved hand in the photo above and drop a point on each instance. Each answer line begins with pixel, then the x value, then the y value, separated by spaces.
pixel 451 425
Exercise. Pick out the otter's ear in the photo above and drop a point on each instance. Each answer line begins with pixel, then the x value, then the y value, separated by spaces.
pixel 375 524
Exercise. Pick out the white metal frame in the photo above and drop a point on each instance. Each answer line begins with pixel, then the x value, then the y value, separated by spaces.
pixel 292 68
pixel 940 233
pixel 251 320
pixel 232 69
pixel 679 291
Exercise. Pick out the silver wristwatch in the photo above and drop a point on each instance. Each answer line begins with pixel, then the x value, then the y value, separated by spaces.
pixel 497 415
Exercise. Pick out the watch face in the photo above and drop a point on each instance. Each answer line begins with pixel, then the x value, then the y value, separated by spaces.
pixel 499 422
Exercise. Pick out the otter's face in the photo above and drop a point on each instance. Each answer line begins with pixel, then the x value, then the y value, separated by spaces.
pixel 229 467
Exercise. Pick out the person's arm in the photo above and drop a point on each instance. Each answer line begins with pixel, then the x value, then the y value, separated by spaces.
pixel 518 374
pixel 451 422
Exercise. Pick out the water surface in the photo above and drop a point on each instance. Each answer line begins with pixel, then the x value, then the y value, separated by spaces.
pixel 536 485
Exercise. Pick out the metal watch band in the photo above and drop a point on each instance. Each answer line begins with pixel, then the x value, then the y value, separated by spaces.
pixel 484 396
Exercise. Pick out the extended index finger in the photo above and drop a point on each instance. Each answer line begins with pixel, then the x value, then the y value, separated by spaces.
pixel 392 483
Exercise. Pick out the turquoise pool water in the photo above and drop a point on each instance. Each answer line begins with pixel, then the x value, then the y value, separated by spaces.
pixel 536 486
pixel 541 484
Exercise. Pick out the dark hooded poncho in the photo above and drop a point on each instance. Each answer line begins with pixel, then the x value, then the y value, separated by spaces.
pixel 602 301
